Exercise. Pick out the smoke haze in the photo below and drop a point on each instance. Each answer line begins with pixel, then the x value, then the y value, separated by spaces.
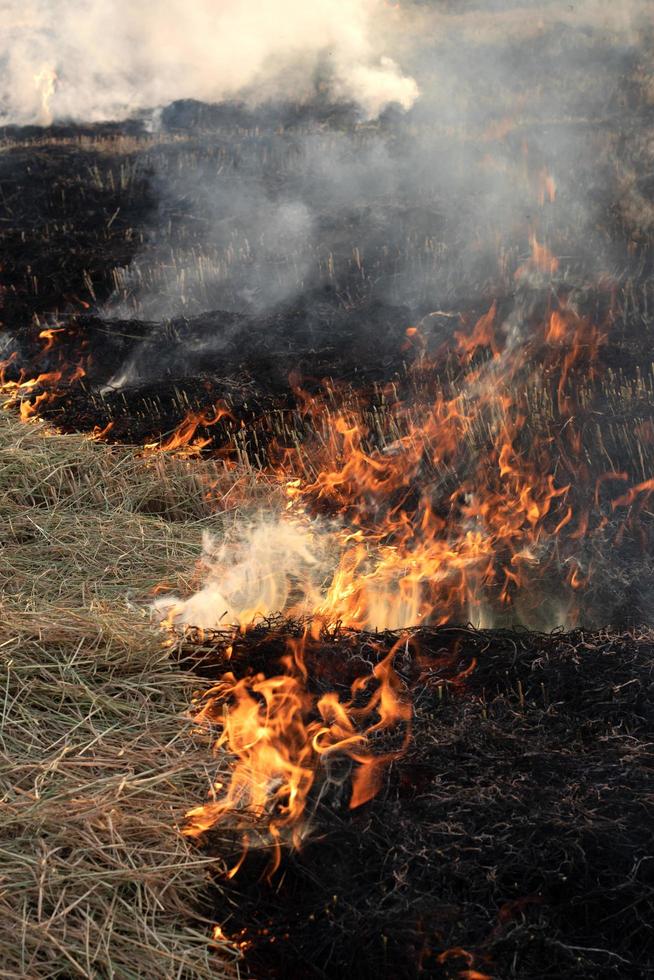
pixel 63 59
pixel 508 95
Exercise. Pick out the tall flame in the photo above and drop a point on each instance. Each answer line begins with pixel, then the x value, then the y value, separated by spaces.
pixel 443 511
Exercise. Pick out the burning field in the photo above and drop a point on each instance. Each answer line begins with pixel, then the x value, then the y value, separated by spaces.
pixel 327 463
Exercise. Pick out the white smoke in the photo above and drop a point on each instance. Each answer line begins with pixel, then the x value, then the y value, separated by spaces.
pixel 94 60
pixel 264 567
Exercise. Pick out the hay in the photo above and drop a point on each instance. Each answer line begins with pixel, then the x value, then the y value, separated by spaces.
pixel 98 763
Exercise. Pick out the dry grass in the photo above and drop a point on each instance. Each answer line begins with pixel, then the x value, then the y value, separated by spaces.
pixel 98 762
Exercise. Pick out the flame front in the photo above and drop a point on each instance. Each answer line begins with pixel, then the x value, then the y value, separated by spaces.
pixel 445 512
pixel 446 504
pixel 420 512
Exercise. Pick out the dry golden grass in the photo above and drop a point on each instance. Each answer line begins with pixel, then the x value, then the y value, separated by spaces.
pixel 98 760
pixel 110 144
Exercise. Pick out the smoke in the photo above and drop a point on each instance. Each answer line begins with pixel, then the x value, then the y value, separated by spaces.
pixel 267 565
pixel 90 61
pixel 508 92
pixel 431 209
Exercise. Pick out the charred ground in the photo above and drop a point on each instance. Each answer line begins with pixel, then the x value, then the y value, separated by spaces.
pixel 512 837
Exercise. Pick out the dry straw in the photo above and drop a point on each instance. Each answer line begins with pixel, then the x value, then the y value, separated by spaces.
pixel 98 760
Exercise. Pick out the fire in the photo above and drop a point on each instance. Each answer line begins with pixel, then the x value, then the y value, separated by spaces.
pixel 184 437
pixel 546 188
pixel 468 972
pixel 278 731
pixel 31 393
pixel 411 550
pixel 447 513
pixel 434 502
pixel 541 261
pixel 29 409
pixel 237 943
pixel 49 335
pixel 101 432
pixel 437 511
pixel 483 335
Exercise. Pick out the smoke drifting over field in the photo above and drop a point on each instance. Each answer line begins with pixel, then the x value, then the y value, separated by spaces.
pixel 98 60
pixel 449 187
pixel 67 60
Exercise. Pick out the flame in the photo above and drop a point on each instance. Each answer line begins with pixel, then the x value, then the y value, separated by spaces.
pixel 546 188
pixel 439 511
pixel 446 513
pixel 278 731
pixel 631 496
pixel 483 335
pixel 442 511
pixel 410 552
pixel 468 972
pixel 45 82
pixel 541 261
pixel 29 394
pixel 100 433
pixel 29 409
pixel 184 439
pixel 445 505
pixel 237 942
pixel 49 335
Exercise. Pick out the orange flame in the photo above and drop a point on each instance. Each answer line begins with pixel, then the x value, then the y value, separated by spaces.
pixel 277 730
pixel 440 510
pixel 183 438
pixel 49 335
pixel 408 551
pixel 24 392
pixel 541 261
pixel 483 335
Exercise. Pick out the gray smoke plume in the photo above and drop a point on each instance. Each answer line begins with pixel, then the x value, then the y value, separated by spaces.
pixel 511 94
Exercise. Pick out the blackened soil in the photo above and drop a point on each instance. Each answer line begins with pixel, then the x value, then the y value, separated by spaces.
pixel 514 838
